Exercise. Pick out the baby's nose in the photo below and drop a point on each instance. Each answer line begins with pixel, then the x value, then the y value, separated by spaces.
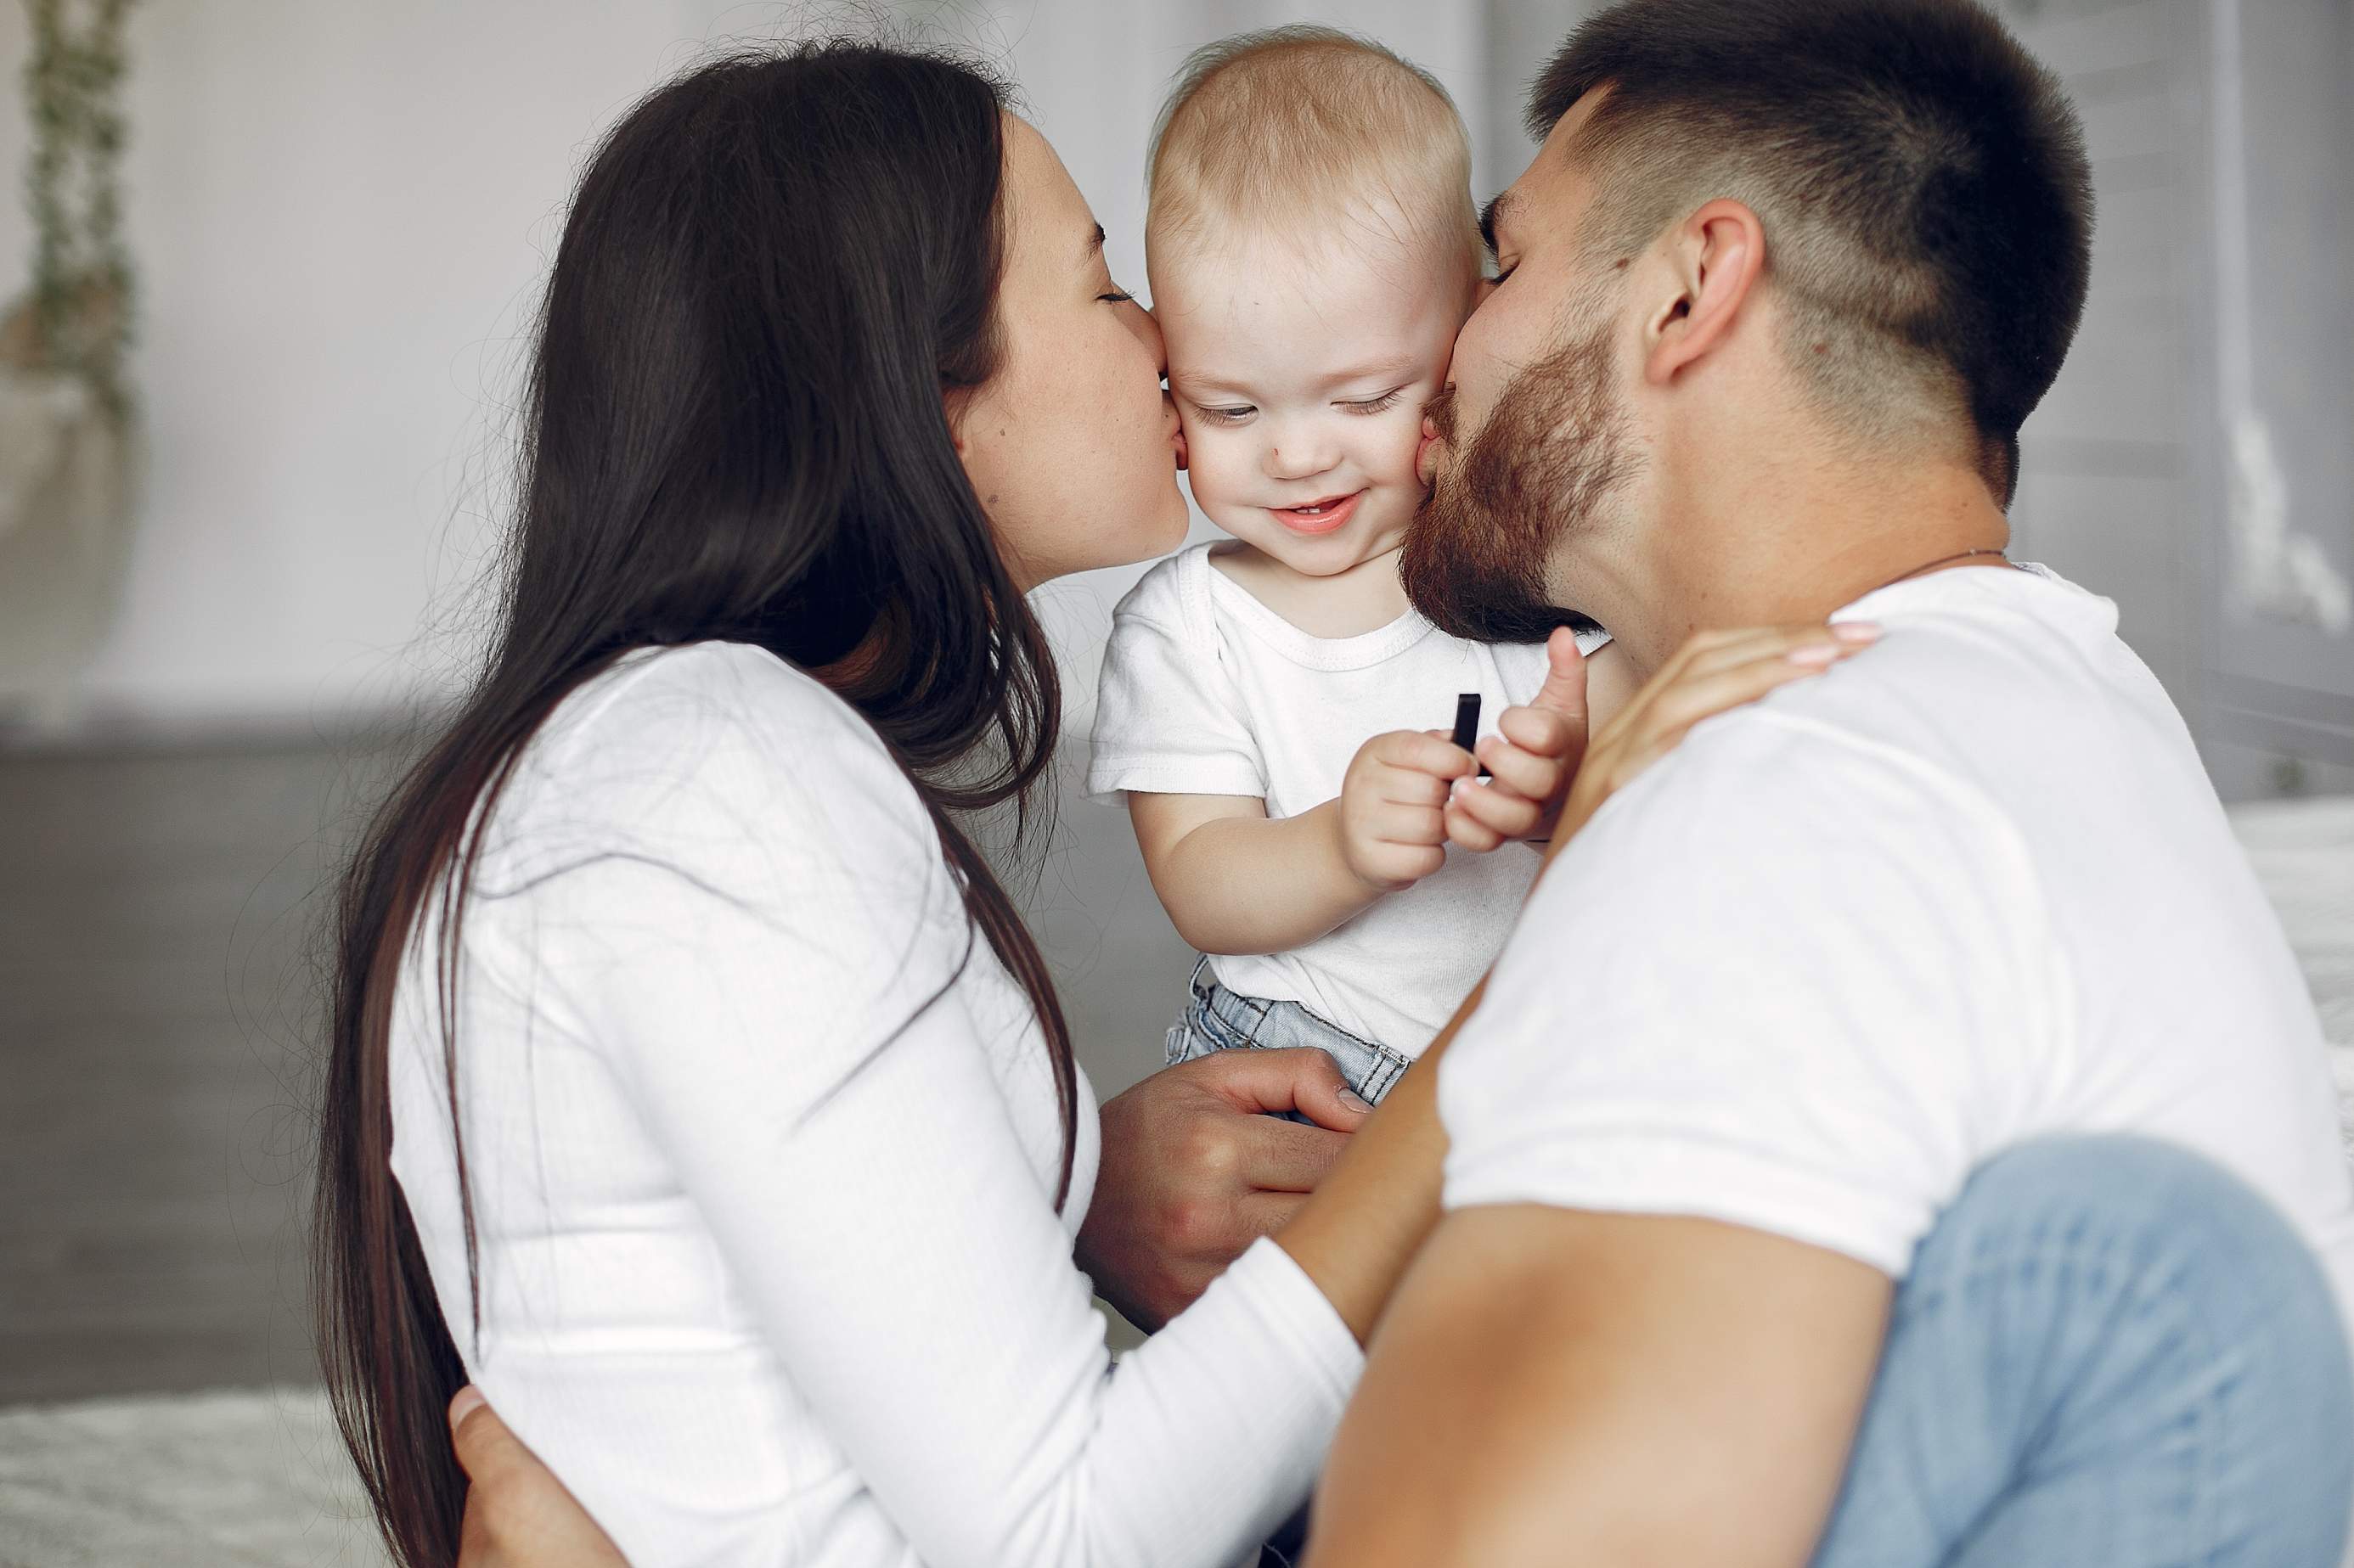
pixel 1298 455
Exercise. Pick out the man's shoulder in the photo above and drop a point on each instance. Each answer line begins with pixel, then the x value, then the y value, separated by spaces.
pixel 1986 699
pixel 1809 778
pixel 1796 759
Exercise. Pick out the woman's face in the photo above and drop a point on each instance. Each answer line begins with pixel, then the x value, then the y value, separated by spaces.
pixel 1072 445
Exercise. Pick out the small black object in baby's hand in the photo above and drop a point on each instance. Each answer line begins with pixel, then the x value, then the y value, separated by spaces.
pixel 1466 723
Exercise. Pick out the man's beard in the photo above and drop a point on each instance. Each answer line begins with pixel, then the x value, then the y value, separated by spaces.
pixel 1553 450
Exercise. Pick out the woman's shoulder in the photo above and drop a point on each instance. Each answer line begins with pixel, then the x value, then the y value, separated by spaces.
pixel 720 744
pixel 710 689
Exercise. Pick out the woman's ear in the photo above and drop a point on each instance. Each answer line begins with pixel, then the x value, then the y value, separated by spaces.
pixel 954 403
pixel 1716 256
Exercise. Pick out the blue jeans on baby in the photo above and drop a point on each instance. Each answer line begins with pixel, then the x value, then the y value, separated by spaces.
pixel 1218 1018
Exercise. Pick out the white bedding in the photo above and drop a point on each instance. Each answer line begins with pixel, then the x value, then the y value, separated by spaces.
pixel 2304 853
pixel 256 1479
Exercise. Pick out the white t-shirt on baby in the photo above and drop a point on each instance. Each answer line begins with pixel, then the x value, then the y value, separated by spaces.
pixel 1206 691
pixel 1841 947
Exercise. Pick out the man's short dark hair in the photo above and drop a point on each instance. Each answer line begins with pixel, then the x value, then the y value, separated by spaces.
pixel 1927 205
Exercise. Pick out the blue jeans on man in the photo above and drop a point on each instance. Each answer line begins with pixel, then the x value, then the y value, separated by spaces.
pixel 2109 1353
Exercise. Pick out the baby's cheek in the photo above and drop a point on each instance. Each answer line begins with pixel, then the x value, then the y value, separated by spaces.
pixel 1389 452
pixel 1216 463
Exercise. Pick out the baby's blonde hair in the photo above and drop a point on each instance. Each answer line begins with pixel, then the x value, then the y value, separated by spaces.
pixel 1279 129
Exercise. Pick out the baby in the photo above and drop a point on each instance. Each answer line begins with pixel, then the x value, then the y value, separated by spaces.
pixel 1266 699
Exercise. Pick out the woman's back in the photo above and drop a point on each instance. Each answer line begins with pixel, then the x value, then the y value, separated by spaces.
pixel 763 1145
pixel 674 811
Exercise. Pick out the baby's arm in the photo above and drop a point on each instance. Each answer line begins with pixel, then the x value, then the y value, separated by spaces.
pixel 1236 881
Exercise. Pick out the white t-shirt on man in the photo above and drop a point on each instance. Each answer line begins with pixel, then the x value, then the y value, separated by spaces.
pixel 1844 945
pixel 1206 691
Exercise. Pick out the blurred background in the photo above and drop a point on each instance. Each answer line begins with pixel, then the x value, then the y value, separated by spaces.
pixel 241 560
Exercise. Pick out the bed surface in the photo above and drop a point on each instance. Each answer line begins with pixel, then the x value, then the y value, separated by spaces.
pixel 255 1477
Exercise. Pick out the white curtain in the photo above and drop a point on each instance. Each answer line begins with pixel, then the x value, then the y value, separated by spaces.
pixel 2281 151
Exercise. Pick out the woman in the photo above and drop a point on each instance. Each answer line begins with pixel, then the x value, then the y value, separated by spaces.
pixel 694 1082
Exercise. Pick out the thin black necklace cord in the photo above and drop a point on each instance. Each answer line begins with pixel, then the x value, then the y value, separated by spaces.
pixel 1943 561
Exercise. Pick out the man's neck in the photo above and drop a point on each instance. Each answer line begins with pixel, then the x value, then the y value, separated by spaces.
pixel 1788 543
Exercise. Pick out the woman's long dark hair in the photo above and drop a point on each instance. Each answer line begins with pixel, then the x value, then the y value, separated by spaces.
pixel 774 271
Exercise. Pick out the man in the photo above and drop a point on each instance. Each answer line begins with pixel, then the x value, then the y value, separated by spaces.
pixel 1772 304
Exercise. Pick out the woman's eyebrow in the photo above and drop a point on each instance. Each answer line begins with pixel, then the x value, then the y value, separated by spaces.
pixel 1094 247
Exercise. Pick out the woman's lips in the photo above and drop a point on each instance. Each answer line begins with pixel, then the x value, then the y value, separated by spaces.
pixel 1318 516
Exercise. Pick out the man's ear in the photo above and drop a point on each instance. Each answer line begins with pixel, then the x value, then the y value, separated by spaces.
pixel 1717 254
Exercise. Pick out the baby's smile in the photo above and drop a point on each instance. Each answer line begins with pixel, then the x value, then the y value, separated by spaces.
pixel 1318 516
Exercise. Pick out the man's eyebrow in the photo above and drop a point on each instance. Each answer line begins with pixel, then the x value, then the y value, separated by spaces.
pixel 1095 244
pixel 1496 211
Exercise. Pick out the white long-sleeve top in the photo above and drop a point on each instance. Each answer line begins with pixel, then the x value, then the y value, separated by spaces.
pixel 763 1146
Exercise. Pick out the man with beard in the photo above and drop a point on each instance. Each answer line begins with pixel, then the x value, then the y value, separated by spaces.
pixel 1788 1215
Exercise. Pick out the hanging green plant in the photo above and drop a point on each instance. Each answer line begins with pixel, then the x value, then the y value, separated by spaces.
pixel 76 318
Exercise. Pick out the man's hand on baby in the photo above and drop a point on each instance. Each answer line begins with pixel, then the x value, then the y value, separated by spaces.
pixel 1393 816
pixel 1532 756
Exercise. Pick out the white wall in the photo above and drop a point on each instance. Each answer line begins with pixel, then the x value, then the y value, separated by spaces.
pixel 338 213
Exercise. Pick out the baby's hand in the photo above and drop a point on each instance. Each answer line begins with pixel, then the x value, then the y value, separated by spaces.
pixel 1393 817
pixel 1533 757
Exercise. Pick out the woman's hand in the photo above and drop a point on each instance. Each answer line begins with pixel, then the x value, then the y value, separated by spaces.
pixel 518 1515
pixel 1192 1174
pixel 1713 672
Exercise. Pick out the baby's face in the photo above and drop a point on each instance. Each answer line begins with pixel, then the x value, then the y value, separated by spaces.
pixel 1300 380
